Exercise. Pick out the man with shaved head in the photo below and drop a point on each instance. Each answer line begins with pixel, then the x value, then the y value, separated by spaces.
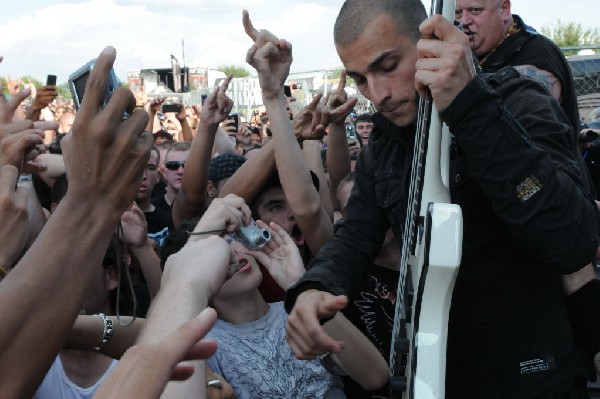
pixel 528 218
pixel 499 38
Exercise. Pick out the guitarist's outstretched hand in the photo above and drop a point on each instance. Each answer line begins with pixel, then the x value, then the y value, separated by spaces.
pixel 304 332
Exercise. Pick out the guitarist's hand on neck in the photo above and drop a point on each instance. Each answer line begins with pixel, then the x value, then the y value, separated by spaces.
pixel 445 64
pixel 304 332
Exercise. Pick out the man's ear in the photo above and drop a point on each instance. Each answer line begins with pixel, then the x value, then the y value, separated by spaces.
pixel 161 171
pixel 505 6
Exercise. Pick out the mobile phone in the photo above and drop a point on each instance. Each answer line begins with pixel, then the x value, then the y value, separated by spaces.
pixel 51 80
pixel 350 132
pixel 171 108
pixel 236 120
pixel 78 79
pixel 287 90
pixel 203 98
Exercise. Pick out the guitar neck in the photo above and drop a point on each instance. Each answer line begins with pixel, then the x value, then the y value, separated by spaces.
pixel 435 182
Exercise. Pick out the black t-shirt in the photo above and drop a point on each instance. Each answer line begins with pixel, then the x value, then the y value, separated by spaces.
pixel 159 190
pixel 158 224
pixel 160 202
pixel 372 312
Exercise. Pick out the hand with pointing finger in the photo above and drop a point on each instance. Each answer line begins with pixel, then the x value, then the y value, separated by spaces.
pixel 339 104
pixel 310 123
pixel 217 105
pixel 270 56
pixel 304 332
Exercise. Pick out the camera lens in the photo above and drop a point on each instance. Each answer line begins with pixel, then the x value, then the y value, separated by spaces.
pixel 261 238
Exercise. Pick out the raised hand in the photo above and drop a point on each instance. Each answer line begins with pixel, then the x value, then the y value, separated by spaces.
pixel 8 108
pixel 270 56
pixel 155 105
pixel 43 97
pixel 19 149
pixel 303 331
pixel 13 214
pixel 105 155
pixel 280 256
pixel 228 126
pixel 217 106
pixel 12 86
pixel 181 115
pixel 312 120
pixel 135 226
pixel 338 103
pixel 224 215
pixel 310 123
pixel 18 140
pixel 29 85
pixel 353 148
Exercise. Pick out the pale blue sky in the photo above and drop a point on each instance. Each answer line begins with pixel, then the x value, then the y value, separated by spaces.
pixel 56 37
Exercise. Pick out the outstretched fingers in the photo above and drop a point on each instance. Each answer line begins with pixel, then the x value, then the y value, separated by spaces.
pixel 250 30
pixel 224 103
pixel 342 84
pixel 8 108
pixel 94 88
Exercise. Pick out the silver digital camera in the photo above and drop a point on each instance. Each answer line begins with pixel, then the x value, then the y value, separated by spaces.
pixel 79 78
pixel 252 236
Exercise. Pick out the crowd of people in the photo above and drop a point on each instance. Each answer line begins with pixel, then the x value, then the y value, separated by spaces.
pixel 187 252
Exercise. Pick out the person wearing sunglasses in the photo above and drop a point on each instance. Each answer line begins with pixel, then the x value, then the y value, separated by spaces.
pixel 172 174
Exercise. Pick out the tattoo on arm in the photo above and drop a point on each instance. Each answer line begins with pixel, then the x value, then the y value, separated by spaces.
pixel 548 79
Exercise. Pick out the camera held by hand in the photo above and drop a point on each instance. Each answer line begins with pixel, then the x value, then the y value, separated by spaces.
pixel 252 236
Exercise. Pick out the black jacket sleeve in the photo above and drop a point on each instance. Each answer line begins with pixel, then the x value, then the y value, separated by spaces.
pixel 520 148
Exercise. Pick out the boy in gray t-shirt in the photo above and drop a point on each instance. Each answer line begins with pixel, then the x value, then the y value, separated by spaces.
pixel 257 361
pixel 253 355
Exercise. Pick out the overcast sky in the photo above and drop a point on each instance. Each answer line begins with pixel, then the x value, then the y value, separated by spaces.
pixel 40 37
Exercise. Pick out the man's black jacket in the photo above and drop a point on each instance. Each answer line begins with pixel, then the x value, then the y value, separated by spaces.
pixel 527 220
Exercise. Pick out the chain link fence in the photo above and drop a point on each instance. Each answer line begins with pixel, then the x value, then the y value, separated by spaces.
pixel 586 76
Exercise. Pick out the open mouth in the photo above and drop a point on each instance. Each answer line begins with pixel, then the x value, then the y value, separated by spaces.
pixel 244 265
pixel 297 236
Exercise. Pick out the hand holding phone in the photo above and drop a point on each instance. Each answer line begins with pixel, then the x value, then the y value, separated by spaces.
pixel 176 108
pixel 51 80
pixel 78 80
pixel 287 90
pixel 236 121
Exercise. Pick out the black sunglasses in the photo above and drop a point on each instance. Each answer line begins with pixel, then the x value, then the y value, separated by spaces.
pixel 174 165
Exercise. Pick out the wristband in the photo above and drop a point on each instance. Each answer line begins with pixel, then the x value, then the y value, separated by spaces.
pixel 108 331
pixel 25 178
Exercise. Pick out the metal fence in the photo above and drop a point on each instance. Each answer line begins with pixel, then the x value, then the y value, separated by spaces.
pixel 586 73
pixel 247 98
pixel 586 77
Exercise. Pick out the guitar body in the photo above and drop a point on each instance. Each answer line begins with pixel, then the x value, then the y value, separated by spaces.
pixel 434 278
pixel 434 266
